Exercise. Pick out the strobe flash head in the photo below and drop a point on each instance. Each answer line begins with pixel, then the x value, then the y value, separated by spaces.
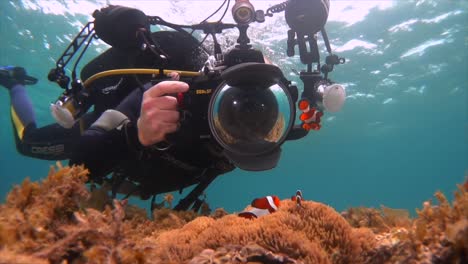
pixel 307 16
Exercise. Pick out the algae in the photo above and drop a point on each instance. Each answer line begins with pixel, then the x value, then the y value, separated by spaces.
pixel 57 221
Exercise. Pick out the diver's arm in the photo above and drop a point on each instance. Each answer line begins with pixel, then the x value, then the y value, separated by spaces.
pixel 111 139
pixel 114 137
pixel 99 151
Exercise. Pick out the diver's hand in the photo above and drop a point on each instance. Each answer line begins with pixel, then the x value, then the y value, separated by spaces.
pixel 159 115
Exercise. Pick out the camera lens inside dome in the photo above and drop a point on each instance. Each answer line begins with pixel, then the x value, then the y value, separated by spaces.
pixel 250 119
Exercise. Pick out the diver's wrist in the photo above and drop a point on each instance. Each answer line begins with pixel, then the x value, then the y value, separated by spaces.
pixel 141 137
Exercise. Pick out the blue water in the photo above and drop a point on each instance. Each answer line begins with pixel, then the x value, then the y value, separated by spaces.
pixel 401 136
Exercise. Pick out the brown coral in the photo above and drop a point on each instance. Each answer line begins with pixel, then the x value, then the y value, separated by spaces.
pixel 438 235
pixel 48 222
pixel 314 233
pixel 31 212
pixel 382 220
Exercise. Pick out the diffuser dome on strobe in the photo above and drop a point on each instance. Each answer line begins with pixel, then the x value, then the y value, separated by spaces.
pixel 334 97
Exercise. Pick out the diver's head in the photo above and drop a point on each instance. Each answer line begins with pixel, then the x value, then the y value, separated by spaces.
pixel 183 51
pixel 118 26
pixel 128 30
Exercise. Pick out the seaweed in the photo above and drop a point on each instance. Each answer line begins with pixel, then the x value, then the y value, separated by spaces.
pixel 33 210
pixel 438 235
pixel 58 220
pixel 382 220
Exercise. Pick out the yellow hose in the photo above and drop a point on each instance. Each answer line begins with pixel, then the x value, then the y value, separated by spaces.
pixel 136 71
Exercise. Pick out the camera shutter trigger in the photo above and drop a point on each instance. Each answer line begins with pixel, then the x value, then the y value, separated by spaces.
pixel 180 99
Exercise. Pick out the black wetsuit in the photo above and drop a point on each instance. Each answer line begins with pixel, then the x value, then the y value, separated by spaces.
pixel 53 142
pixel 184 163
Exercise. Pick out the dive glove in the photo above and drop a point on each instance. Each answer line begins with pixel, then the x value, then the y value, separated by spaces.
pixel 12 75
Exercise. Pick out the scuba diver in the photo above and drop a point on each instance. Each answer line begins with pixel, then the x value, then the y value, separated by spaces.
pixel 228 110
pixel 56 141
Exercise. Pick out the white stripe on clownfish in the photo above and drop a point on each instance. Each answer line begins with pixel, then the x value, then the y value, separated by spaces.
pixel 272 203
pixel 254 213
pixel 312 119
pixel 298 198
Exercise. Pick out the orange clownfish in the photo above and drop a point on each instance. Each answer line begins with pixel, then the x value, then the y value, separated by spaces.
pixel 298 198
pixel 262 206
pixel 310 116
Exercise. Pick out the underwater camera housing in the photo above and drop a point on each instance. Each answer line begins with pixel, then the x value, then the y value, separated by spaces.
pixel 247 108
pixel 252 113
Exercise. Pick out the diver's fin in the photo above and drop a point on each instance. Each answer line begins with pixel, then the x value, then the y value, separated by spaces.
pixel 29 80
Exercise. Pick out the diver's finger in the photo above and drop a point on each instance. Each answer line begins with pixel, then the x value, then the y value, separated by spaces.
pixel 164 102
pixel 167 87
pixel 153 132
pixel 175 76
pixel 155 117
pixel 170 128
pixel 168 116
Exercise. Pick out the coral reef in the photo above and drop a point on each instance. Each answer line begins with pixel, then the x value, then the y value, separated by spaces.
pixel 59 221
pixel 438 235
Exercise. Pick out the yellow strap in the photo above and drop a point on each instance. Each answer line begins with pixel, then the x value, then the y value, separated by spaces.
pixel 19 126
pixel 136 71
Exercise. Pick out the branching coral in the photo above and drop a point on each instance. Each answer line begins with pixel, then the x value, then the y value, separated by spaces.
pixel 438 235
pixel 98 235
pixel 32 210
pixel 443 228
pixel 382 220
pixel 9 257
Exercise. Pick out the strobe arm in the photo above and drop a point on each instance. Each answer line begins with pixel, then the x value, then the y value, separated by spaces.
pixel 312 77
pixel 58 73
pixel 332 59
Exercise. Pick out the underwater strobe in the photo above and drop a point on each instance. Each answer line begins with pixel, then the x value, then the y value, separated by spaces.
pixel 251 113
pixel 307 16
